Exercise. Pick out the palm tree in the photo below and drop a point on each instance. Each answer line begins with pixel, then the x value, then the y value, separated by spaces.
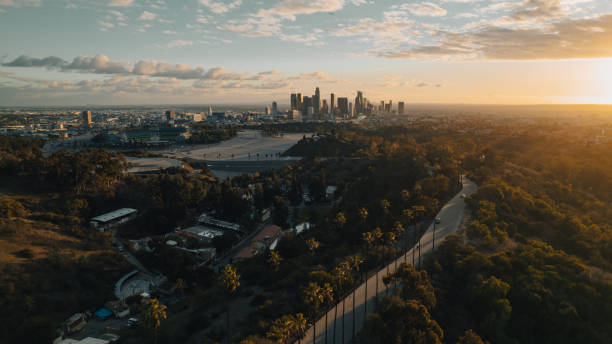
pixel 275 260
pixel 180 285
pixel 230 281
pixel 312 245
pixel 153 315
pixel 363 214
pixel 340 220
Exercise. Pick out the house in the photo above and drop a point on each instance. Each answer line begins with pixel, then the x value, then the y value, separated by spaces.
pixel 75 323
pixel 299 228
pixel 113 219
pixel 330 193
pixel 267 238
pixel 223 225
pixel 203 234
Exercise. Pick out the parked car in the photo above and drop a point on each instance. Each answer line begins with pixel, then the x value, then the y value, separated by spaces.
pixel 133 322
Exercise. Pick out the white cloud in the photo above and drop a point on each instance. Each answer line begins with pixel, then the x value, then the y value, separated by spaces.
pixel 179 43
pixel 146 15
pixel 425 9
pixel 220 7
pixel 120 3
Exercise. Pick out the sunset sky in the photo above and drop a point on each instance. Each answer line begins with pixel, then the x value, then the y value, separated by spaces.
pixel 74 52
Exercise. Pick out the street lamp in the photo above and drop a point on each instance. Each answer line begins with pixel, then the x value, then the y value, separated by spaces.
pixel 433 243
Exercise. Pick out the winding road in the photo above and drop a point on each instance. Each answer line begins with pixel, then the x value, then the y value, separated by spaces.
pixel 343 321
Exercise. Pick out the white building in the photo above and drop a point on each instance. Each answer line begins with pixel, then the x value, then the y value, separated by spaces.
pixel 113 219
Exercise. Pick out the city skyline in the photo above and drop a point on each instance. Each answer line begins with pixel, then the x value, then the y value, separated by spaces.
pixel 127 52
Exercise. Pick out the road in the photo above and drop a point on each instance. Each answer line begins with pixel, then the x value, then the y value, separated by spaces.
pixel 339 327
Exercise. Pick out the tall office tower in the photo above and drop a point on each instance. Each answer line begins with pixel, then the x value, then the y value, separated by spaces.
pixel 86 118
pixel 324 108
pixel 343 105
pixel 350 110
pixel 294 101
pixel 382 106
pixel 306 102
pixel 359 102
pixel 316 101
pixel 300 102
pixel 400 108
pixel 210 111
pixel 274 107
pixel 332 104
pixel 388 108
pixel 170 115
pixel 268 110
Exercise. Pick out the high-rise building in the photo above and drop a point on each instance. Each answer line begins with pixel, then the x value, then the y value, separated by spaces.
pixel 294 104
pixel 210 111
pixel 400 108
pixel 316 101
pixel 306 102
pixel 332 104
pixel 86 118
pixel 170 115
pixel 299 101
pixel 274 107
pixel 350 110
pixel 388 108
pixel 343 105
pixel 324 107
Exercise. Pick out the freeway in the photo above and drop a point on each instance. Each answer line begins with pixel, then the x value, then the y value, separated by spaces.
pixel 346 318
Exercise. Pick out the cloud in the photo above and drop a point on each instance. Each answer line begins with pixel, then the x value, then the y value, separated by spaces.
pixel 424 9
pixel 565 39
pixel 220 7
pixel 395 81
pixel 538 9
pixel 101 64
pixel 120 3
pixel 20 3
pixel 26 61
pixel 179 43
pixel 146 15
pixel 288 9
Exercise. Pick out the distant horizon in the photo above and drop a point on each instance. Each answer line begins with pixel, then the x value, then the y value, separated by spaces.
pixel 240 52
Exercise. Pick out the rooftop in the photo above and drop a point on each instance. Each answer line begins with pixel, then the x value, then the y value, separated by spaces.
pixel 113 215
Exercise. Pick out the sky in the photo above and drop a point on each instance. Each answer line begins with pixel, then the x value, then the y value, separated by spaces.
pixel 121 52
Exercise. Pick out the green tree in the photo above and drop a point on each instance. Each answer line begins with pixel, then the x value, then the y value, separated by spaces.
pixel 154 313
pixel 275 260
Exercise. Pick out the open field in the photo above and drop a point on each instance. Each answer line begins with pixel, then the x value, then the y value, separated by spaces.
pixel 244 147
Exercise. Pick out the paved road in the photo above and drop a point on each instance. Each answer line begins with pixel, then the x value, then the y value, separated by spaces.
pixel 340 323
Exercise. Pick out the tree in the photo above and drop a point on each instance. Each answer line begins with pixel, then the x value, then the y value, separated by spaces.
pixel 154 313
pixel 315 295
pixel 230 281
pixel 180 285
pixel 275 260
pixel 402 321
pixel 313 245
pixel 282 329
pixel 339 220
pixel 415 285
pixel 363 214
pixel 471 337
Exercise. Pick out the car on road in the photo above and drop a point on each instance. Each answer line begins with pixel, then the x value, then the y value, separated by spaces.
pixel 437 220
pixel 133 322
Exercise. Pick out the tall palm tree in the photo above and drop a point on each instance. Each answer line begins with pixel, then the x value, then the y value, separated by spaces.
pixel 313 245
pixel 230 281
pixel 153 315
pixel 275 260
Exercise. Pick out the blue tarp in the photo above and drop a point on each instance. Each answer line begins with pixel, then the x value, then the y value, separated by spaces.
pixel 103 313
